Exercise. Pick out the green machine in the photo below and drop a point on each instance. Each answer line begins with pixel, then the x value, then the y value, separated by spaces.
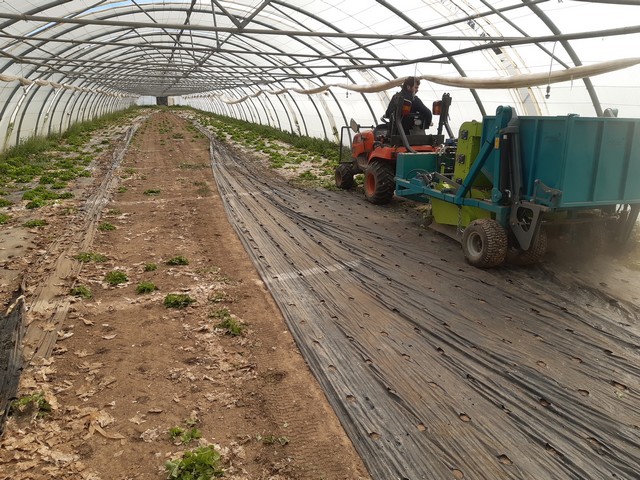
pixel 509 179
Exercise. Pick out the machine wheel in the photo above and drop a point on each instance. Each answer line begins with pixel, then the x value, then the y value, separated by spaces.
pixel 484 243
pixel 535 253
pixel 624 227
pixel 344 176
pixel 379 182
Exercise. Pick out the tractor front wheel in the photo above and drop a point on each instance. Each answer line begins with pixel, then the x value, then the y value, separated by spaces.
pixel 344 176
pixel 484 243
pixel 379 182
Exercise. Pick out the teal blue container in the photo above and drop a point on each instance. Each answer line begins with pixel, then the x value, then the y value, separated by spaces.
pixel 409 165
pixel 587 162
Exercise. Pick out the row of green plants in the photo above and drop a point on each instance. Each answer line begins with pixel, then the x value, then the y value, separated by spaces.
pixel 40 168
pixel 323 154
pixel 247 132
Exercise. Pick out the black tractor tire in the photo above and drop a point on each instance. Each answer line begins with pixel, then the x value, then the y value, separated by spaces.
pixel 484 243
pixel 379 182
pixel 344 176
pixel 536 252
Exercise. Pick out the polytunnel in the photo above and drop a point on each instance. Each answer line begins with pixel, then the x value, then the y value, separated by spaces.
pixel 310 66
pixel 313 333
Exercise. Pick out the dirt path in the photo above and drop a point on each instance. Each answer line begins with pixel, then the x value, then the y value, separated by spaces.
pixel 126 369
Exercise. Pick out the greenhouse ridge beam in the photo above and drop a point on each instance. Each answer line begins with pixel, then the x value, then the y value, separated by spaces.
pixel 288 33
pixel 302 56
pixel 492 42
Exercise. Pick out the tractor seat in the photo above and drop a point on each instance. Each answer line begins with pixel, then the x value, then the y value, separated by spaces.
pixel 380 132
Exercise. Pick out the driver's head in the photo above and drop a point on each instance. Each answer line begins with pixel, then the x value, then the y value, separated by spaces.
pixel 411 84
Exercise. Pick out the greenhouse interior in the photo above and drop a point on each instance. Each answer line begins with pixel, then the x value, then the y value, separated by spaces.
pixel 320 239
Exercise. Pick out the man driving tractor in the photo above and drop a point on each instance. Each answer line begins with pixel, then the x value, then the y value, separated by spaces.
pixel 405 102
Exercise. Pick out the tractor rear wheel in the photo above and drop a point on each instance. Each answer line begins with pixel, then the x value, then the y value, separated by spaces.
pixel 379 182
pixel 484 243
pixel 536 251
pixel 344 176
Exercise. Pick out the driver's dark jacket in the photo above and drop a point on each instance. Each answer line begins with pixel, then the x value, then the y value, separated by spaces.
pixel 416 107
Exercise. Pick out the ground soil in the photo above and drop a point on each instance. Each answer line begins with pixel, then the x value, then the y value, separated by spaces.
pixel 126 368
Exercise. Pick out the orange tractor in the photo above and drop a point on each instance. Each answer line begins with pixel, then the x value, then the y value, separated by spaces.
pixel 374 151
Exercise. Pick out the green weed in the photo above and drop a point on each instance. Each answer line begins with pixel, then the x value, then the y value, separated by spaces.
pixel 116 277
pixel 81 291
pixel 191 421
pixel 40 196
pixel 200 464
pixel 106 227
pixel 5 203
pixel 29 403
pixel 222 314
pixel 308 175
pixel 203 189
pixel 146 287
pixel 232 325
pixel 90 257
pixel 193 166
pixel 178 260
pixel 150 267
pixel 4 218
pixel 183 435
pixel 256 135
pixel 177 300
pixel 40 158
pixel 36 204
pixel 34 223
pixel 152 191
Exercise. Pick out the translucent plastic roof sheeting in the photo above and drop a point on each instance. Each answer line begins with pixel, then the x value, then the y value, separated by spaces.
pixel 92 57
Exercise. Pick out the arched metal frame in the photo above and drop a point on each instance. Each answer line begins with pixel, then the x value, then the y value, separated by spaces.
pixel 229 50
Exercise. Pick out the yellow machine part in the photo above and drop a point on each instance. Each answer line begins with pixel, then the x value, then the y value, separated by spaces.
pixel 469 138
pixel 446 213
